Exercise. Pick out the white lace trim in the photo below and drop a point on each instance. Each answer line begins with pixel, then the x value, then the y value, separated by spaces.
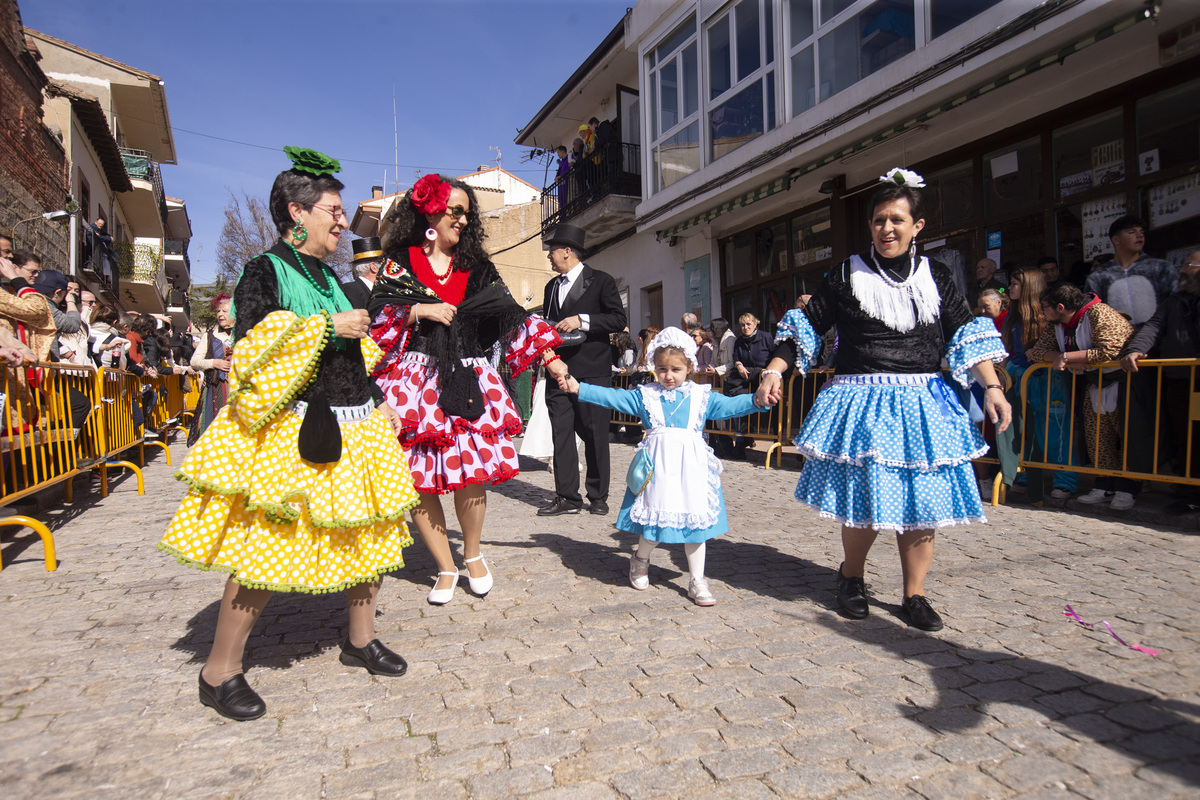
pixel 899 307
pixel 887 526
pixel 862 458
pixel 686 519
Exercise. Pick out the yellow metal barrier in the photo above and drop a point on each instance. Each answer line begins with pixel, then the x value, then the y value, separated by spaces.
pixel 118 391
pixel 767 426
pixel 1160 386
pixel 50 433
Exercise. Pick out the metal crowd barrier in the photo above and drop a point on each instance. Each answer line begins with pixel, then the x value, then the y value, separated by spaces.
pixel 1162 394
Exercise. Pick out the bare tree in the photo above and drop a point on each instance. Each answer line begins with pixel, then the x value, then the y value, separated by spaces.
pixel 249 232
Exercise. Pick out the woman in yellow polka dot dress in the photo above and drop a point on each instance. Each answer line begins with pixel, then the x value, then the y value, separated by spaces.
pixel 299 484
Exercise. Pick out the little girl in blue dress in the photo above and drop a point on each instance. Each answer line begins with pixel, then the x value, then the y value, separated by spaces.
pixel 682 502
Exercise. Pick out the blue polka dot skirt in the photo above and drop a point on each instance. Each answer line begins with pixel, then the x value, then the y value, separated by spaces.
pixel 890 456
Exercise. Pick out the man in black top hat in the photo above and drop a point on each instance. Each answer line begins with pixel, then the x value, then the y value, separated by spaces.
pixel 584 305
pixel 368 256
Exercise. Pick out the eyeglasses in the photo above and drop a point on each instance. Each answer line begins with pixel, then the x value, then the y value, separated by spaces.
pixel 87 302
pixel 457 212
pixel 337 212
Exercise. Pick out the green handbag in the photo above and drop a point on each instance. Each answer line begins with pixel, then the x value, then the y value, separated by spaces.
pixel 641 472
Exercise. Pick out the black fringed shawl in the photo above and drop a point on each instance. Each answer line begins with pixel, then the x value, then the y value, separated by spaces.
pixel 487 314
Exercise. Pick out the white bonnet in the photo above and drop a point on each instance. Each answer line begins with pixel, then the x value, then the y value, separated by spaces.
pixel 672 337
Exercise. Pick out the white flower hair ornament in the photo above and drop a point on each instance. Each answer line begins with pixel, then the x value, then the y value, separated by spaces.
pixel 903 177
pixel 672 337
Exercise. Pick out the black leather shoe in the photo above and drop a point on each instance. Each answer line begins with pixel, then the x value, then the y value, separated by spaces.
pixel 920 614
pixel 560 505
pixel 852 595
pixel 234 699
pixel 598 507
pixel 374 658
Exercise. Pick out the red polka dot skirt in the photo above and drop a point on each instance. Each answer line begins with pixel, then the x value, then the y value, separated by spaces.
pixel 445 452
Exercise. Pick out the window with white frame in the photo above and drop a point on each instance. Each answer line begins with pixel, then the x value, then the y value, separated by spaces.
pixel 741 75
pixel 836 43
pixel 674 78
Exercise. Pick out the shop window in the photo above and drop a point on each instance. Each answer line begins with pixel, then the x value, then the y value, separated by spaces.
pixel 1082 230
pixel 949 14
pixel 1089 154
pixel 949 197
pixel 812 238
pixel 1168 128
pixel 1173 209
pixel 770 247
pixel 1021 243
pixel 777 300
pixel 865 44
pixel 1012 178
pixel 674 106
pixel 739 258
pixel 741 76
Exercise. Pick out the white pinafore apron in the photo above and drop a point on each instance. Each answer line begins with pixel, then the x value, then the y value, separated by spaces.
pixel 684 492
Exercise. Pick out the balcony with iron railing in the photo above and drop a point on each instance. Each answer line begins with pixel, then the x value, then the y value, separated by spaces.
pixel 177 263
pixel 98 259
pixel 141 167
pixel 143 282
pixel 614 170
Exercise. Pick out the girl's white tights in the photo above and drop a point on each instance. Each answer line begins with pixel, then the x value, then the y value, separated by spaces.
pixel 693 551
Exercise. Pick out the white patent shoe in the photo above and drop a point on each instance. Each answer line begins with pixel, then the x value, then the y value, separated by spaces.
pixel 439 597
pixel 483 585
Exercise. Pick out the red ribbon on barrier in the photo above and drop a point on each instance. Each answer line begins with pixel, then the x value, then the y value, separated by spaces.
pixel 1070 614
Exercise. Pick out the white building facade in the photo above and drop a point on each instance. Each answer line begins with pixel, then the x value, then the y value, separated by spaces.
pixel 762 125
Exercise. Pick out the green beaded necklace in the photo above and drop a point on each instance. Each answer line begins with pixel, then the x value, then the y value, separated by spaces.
pixel 326 291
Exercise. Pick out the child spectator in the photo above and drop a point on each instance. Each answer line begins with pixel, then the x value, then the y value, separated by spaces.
pixel 682 502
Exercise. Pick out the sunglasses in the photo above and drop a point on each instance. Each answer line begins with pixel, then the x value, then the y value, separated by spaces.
pixel 457 212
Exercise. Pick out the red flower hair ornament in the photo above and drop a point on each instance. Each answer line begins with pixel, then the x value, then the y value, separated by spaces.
pixel 429 195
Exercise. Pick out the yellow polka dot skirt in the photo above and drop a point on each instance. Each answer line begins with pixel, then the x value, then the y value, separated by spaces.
pixel 274 521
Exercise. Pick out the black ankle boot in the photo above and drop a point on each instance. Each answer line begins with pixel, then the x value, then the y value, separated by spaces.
pixel 234 699
pixel 852 595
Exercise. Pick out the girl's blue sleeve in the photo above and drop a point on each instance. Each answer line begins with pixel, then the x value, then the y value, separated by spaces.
pixel 722 407
pixel 625 401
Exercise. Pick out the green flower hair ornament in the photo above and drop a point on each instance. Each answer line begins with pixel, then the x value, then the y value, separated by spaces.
pixel 312 162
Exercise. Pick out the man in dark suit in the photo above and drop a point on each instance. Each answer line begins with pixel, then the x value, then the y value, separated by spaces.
pixel 368 256
pixel 585 307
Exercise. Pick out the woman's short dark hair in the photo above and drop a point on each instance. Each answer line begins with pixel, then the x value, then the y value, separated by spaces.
pixel 106 315
pixel 144 325
pixel 408 226
pixel 718 327
pixel 295 187
pixel 890 192
pixel 1068 295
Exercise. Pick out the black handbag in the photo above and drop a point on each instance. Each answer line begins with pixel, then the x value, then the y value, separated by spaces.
pixel 460 394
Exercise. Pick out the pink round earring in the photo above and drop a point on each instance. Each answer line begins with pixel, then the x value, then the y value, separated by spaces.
pixel 430 234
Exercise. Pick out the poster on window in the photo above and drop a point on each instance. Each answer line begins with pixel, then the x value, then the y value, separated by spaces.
pixel 1174 201
pixel 1097 216
pixel 1108 163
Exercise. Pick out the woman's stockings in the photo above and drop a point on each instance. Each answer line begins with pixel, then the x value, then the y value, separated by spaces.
pixel 240 608
pixel 645 548
pixel 430 520
pixel 470 504
pixel 362 597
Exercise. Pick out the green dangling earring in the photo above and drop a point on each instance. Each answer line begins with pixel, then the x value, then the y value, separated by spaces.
pixel 299 233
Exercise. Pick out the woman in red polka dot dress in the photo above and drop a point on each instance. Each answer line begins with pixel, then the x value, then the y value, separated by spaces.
pixel 437 309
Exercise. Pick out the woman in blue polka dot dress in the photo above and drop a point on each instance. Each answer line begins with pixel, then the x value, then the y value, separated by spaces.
pixel 887 444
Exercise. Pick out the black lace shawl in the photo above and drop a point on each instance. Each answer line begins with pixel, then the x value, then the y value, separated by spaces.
pixel 342 374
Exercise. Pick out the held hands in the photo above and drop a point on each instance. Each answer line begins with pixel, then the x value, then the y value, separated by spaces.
pixel 996 406
pixel 351 324
pixel 770 390
pixel 1129 362
pixel 569 324
pixel 568 384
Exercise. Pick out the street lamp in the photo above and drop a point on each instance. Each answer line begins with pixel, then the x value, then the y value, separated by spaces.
pixel 49 216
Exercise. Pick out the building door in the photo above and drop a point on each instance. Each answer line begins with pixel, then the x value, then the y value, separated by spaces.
pixel 652 307
pixel 630 118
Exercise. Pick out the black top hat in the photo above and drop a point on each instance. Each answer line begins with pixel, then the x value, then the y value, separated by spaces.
pixel 366 249
pixel 569 236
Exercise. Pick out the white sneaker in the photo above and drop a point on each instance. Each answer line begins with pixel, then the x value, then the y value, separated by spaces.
pixel 1122 501
pixel 699 592
pixel 1060 494
pixel 1095 496
pixel 639 573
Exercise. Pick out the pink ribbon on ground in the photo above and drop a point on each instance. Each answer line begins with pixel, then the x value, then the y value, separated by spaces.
pixel 1070 614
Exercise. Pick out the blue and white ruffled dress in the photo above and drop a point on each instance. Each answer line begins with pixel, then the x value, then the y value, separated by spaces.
pixel 893 452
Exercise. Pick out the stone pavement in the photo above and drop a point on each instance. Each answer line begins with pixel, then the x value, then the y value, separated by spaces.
pixel 566 683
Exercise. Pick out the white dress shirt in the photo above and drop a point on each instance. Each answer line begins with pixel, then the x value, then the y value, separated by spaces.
pixel 565 282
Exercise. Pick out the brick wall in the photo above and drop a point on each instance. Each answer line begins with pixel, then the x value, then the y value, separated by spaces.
pixel 33 164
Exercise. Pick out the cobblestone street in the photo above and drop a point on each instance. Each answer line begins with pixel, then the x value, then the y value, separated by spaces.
pixel 566 683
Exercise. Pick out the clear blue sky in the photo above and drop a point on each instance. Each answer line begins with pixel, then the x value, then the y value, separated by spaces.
pixel 467 76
